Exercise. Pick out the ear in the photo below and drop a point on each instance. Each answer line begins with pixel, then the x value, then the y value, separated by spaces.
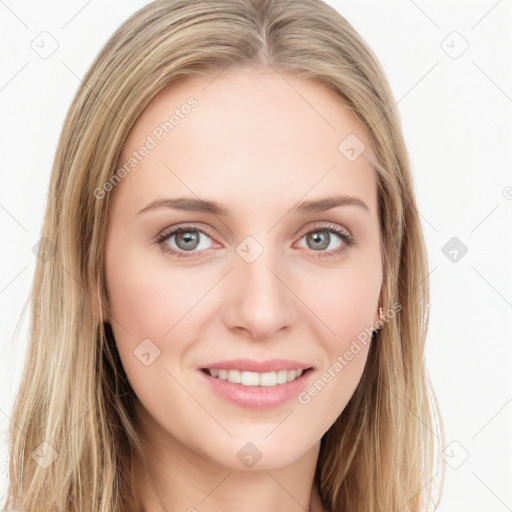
pixel 376 319
pixel 379 317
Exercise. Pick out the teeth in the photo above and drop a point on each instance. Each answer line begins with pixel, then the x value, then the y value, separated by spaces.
pixel 255 378
pixel 249 378
pixel 234 376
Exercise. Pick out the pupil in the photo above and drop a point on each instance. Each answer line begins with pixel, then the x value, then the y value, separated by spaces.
pixel 319 237
pixel 186 240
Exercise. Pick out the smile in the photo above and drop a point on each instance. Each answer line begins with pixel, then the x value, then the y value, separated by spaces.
pixel 254 378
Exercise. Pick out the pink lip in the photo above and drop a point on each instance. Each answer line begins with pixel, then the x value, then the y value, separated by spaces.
pixel 250 365
pixel 257 397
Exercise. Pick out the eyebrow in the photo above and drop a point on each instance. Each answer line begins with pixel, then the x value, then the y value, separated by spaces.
pixel 202 205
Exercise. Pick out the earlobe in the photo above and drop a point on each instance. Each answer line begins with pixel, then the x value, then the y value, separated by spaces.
pixel 379 318
pixel 378 322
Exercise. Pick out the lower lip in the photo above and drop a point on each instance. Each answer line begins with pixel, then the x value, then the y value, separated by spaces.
pixel 258 397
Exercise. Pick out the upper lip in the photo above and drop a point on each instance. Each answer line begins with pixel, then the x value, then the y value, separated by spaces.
pixel 251 365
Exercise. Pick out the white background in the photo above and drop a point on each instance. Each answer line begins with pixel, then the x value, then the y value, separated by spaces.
pixel 456 115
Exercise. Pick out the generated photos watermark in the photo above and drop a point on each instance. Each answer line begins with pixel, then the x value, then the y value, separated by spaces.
pixel 152 140
pixel 362 339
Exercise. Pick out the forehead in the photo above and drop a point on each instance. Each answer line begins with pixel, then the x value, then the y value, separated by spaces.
pixel 249 134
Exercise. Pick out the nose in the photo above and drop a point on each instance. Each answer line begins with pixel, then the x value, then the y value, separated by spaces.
pixel 259 301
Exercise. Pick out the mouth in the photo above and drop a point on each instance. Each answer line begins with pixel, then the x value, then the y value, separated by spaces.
pixel 256 379
pixel 279 383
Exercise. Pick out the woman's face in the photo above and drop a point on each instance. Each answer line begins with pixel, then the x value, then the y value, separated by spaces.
pixel 280 263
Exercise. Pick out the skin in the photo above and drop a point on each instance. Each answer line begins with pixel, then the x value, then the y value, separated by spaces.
pixel 258 145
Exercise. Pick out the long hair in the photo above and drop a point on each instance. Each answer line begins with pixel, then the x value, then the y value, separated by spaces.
pixel 74 432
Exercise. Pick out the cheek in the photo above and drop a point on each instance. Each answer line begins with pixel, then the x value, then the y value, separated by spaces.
pixel 146 295
pixel 346 300
pixel 346 303
pixel 147 300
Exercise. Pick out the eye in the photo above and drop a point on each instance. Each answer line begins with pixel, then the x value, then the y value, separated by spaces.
pixel 325 239
pixel 327 236
pixel 183 239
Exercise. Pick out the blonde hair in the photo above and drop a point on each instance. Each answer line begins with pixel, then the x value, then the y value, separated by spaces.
pixel 381 452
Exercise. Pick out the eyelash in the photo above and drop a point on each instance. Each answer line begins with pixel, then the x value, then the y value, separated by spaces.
pixel 347 239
